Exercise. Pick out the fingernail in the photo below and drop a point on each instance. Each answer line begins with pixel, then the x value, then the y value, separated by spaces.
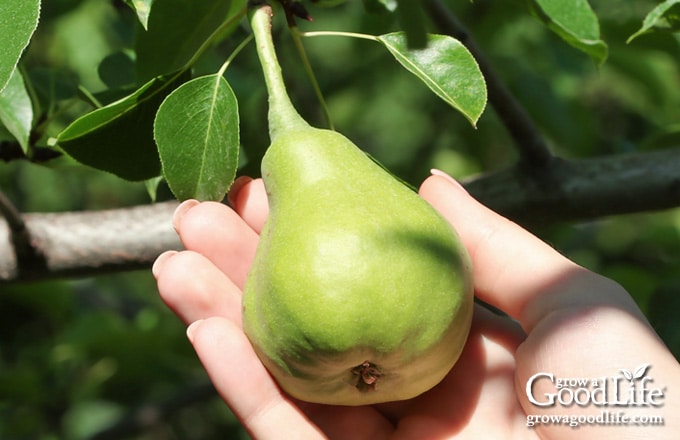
pixel 160 261
pixel 239 183
pixel 181 210
pixel 191 330
pixel 440 173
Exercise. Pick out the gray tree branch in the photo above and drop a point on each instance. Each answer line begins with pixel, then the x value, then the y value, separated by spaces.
pixel 91 243
pixel 581 190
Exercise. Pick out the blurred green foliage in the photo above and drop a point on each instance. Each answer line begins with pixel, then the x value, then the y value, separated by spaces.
pixel 78 355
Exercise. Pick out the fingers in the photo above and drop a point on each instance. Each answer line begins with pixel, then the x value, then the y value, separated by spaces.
pixel 207 279
pixel 249 199
pixel 512 269
pixel 244 384
pixel 203 285
pixel 194 288
pixel 217 232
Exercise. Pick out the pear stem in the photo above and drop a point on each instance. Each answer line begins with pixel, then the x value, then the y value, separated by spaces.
pixel 282 114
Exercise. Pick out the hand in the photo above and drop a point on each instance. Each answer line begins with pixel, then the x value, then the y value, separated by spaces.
pixel 561 319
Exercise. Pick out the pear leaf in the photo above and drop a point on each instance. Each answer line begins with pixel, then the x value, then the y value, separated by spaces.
pixel 118 138
pixel 575 22
pixel 446 67
pixel 151 186
pixel 665 17
pixel 142 9
pixel 197 133
pixel 18 21
pixel 16 110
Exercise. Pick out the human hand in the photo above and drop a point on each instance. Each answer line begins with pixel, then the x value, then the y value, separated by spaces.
pixel 562 319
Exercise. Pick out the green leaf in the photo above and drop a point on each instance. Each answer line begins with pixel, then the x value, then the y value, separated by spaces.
pixel 152 187
pixel 177 29
pixel 118 138
pixel 575 22
pixel 18 20
pixel 446 67
pixel 142 8
pixel 16 110
pixel 664 17
pixel 197 132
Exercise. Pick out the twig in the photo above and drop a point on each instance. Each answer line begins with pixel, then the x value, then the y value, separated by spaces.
pixel 295 32
pixel 532 147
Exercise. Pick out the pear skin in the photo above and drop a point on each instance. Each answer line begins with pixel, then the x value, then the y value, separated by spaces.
pixel 360 291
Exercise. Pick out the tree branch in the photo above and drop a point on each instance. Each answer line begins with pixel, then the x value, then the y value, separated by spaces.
pixel 531 145
pixel 579 190
pixel 91 243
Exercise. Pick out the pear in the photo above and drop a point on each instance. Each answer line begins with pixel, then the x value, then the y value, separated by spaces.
pixel 360 292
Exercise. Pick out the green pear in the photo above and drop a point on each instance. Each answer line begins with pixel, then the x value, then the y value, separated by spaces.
pixel 360 292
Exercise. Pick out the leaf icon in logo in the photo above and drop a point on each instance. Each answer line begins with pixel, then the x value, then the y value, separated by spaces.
pixel 627 374
pixel 640 372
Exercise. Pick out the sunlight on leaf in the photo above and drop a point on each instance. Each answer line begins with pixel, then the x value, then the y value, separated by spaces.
pixel 575 22
pixel 664 17
pixel 142 9
pixel 18 21
pixel 446 67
